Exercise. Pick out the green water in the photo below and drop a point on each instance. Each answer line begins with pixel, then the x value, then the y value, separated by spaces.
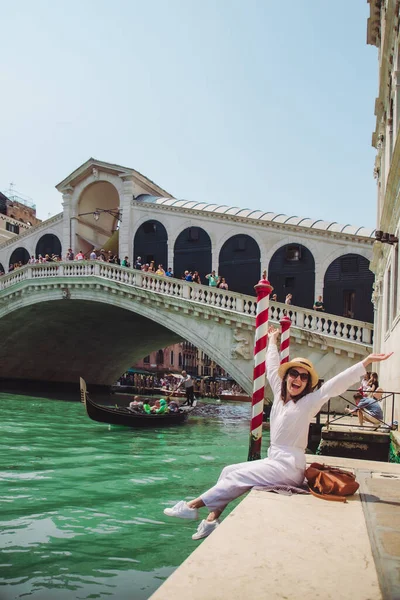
pixel 82 502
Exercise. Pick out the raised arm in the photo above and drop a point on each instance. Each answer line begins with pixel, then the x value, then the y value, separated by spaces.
pixel 340 383
pixel 273 362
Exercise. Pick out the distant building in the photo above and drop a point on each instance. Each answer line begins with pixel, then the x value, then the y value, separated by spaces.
pixel 183 356
pixel 16 215
pixel 383 32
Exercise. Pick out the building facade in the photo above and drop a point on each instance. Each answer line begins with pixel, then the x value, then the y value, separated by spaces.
pixel 16 216
pixel 383 32
pixel 183 356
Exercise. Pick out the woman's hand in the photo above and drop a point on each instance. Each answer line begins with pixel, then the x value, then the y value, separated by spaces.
pixel 273 333
pixel 375 358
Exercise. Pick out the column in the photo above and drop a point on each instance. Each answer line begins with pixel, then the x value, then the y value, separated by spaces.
pixel 126 225
pixel 69 223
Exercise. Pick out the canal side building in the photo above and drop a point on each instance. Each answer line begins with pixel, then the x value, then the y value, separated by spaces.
pixel 17 214
pixel 383 32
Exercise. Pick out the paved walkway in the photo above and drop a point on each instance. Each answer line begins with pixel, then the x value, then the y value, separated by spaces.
pixel 297 547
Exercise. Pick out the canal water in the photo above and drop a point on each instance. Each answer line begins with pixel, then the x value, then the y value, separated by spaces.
pixel 82 502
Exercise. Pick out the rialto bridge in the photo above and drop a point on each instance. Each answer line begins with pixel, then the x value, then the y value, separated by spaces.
pixel 134 216
pixel 59 321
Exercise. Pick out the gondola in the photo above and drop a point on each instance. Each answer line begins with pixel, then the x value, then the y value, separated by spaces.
pixel 232 397
pixel 124 416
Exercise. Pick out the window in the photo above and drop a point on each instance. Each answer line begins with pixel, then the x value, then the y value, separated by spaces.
pixel 146 359
pixel 180 359
pixel 149 227
pixel 11 227
pixel 395 279
pixel 349 297
pixel 388 297
pixel 171 360
pixel 240 244
pixel 293 253
pixel 349 264
pixel 289 282
pixel 193 234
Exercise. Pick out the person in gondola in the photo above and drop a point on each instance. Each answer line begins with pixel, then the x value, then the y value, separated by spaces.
pixel 296 402
pixel 173 407
pixel 134 404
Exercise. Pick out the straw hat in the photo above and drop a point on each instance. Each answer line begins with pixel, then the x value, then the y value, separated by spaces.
pixel 303 363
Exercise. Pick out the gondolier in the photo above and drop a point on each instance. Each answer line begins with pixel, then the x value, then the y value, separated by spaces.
pixel 187 383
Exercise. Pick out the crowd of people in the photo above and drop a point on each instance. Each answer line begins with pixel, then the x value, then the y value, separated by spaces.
pixel 203 387
pixel 110 257
pixel 158 407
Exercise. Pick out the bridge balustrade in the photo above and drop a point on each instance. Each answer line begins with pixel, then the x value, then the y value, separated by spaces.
pixel 303 318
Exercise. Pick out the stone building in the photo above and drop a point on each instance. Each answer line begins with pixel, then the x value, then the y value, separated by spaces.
pixel 16 215
pixel 383 32
pixel 179 357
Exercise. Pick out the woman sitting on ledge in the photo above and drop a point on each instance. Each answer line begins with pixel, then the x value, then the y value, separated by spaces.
pixel 295 404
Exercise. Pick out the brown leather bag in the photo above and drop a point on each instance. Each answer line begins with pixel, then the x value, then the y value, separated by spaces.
pixel 330 483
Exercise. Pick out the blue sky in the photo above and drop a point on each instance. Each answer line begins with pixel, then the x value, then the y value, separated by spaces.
pixel 255 103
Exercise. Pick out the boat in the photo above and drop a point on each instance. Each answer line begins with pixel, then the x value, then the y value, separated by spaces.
pixel 233 397
pixel 124 416
pixel 172 393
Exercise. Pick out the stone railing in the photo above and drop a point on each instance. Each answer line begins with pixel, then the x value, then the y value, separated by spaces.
pixel 303 318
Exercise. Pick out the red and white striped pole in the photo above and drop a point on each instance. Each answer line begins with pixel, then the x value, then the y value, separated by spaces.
pixel 285 324
pixel 263 290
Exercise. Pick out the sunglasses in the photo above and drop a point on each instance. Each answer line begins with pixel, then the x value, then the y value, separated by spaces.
pixel 293 373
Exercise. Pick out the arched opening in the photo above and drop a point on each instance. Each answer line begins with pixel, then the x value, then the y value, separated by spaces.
pixel 19 255
pixel 151 243
pixel 292 271
pixel 239 263
pixel 91 232
pixel 192 252
pixel 348 288
pixel 2 271
pixel 48 244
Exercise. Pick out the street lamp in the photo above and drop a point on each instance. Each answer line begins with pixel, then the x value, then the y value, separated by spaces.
pixel 115 212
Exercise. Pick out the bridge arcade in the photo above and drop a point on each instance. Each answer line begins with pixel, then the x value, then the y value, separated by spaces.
pixel 304 257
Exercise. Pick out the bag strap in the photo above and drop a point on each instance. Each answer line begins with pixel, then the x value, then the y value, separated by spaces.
pixel 331 497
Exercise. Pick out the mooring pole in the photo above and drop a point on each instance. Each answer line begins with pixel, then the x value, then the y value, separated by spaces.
pixel 263 290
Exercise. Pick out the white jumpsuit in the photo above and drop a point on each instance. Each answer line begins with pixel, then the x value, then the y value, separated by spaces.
pixel 286 461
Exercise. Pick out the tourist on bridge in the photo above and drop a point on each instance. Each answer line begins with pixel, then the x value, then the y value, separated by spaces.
pixel 212 279
pixel 138 263
pixel 295 404
pixel 319 305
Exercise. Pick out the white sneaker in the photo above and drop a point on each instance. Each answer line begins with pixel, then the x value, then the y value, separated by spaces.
pixel 182 511
pixel 204 529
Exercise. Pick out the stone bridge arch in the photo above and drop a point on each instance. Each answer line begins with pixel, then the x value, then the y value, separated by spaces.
pixel 110 336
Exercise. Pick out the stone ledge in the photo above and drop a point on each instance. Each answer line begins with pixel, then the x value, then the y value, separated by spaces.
pixel 281 547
